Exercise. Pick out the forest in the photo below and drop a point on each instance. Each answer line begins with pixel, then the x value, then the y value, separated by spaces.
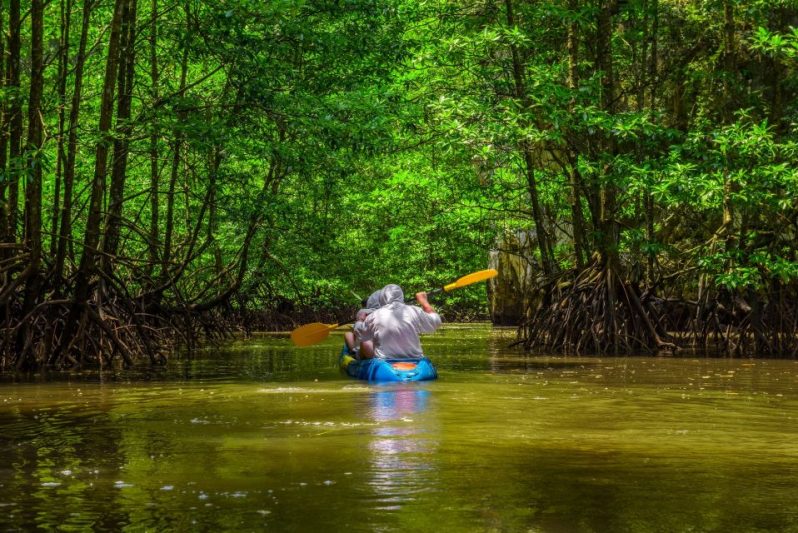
pixel 176 170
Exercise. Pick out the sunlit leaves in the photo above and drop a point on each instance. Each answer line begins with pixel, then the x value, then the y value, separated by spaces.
pixel 778 45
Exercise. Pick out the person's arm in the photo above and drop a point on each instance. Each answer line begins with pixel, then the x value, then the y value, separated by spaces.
pixel 421 298
pixel 367 338
pixel 366 330
pixel 427 320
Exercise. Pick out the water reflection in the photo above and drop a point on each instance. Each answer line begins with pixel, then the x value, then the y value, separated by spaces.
pixel 58 452
pixel 401 447
pixel 263 436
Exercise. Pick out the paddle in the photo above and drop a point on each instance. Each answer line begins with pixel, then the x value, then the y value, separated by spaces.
pixel 316 332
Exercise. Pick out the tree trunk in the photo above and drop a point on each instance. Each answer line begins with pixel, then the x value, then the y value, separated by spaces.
pixel 653 67
pixel 121 142
pixel 93 224
pixel 153 244
pixel 33 185
pixel 15 118
pixel 729 60
pixel 648 199
pixel 776 75
pixel 91 239
pixel 546 260
pixel 215 161
pixel 170 198
pixel 730 65
pixel 63 69
pixel 608 227
pixel 580 247
pixel 3 130
pixel 271 185
pixel 65 235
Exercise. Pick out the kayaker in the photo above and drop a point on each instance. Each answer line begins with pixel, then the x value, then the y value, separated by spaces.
pixel 395 327
pixel 373 301
pixel 352 338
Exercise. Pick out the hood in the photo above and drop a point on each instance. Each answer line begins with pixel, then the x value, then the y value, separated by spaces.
pixel 373 301
pixel 391 294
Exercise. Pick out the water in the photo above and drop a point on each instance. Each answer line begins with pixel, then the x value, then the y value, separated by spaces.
pixel 262 436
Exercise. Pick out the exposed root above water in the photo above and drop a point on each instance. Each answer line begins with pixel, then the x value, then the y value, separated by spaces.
pixel 595 312
pixel 110 328
pixel 746 324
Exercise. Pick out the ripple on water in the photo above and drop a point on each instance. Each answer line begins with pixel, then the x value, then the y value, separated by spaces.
pixel 572 449
pixel 312 390
pixel 327 423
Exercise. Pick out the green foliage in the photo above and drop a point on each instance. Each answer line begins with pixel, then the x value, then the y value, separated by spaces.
pixel 396 141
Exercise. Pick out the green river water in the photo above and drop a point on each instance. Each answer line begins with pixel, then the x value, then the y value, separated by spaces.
pixel 261 436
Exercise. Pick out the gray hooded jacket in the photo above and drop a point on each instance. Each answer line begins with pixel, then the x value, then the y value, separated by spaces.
pixel 373 301
pixel 395 327
pixel 372 304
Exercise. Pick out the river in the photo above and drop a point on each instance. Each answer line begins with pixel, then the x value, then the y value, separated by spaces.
pixel 260 435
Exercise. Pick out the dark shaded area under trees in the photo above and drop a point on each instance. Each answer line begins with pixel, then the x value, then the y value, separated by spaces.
pixel 172 170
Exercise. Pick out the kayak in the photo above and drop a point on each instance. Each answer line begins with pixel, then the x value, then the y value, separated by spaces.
pixel 384 370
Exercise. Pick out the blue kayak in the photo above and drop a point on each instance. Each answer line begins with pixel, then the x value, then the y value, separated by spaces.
pixel 384 370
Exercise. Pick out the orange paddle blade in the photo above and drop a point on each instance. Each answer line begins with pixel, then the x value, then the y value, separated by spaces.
pixel 311 333
pixel 474 277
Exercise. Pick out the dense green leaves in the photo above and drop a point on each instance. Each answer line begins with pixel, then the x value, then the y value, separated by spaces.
pixel 304 151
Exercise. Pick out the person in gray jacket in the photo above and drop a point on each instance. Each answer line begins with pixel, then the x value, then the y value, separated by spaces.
pixel 395 327
pixel 353 338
